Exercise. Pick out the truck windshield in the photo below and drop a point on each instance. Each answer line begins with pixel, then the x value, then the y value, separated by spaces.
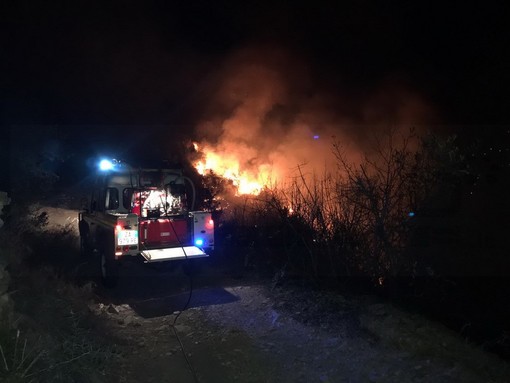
pixel 154 202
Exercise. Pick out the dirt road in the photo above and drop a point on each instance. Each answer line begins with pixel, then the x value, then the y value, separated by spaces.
pixel 249 330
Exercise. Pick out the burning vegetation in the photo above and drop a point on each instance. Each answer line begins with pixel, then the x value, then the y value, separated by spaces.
pixel 337 181
pixel 313 166
pixel 270 119
pixel 356 219
pixel 229 167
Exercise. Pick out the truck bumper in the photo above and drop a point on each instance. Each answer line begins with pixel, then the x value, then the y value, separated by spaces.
pixel 174 253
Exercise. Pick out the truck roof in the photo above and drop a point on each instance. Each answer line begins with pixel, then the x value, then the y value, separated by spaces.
pixel 146 177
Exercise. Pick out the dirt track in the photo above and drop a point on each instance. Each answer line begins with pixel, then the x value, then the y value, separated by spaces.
pixel 246 330
pixel 249 332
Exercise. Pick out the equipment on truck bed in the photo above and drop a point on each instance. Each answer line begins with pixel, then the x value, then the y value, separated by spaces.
pixel 143 212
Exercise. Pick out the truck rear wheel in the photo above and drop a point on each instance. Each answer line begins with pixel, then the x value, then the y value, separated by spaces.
pixel 109 269
pixel 85 249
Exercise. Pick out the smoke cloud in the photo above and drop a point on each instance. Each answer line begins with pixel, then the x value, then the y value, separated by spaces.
pixel 271 112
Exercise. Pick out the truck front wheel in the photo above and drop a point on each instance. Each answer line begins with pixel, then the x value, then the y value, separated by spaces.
pixel 109 269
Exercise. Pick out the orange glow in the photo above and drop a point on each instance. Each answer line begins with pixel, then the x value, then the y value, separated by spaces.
pixel 267 122
pixel 228 165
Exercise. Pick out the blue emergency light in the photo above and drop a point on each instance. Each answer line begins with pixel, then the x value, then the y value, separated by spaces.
pixel 105 165
pixel 199 242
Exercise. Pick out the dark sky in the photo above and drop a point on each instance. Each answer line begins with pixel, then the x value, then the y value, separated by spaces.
pixel 152 63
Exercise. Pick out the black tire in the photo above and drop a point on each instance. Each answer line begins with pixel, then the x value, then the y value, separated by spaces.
pixel 85 248
pixel 109 268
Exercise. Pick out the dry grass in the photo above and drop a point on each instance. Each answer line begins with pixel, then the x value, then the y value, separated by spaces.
pixel 18 357
pixel 53 338
pixel 47 334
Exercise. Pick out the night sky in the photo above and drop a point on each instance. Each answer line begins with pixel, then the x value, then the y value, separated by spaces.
pixel 112 68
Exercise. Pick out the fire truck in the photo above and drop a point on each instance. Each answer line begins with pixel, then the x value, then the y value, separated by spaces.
pixel 142 212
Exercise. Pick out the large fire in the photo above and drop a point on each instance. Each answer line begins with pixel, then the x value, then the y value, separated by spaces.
pixel 228 165
pixel 266 118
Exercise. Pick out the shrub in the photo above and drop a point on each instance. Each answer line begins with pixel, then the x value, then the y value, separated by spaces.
pixel 356 220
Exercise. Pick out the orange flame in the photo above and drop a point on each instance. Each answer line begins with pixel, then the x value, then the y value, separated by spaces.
pixel 229 166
